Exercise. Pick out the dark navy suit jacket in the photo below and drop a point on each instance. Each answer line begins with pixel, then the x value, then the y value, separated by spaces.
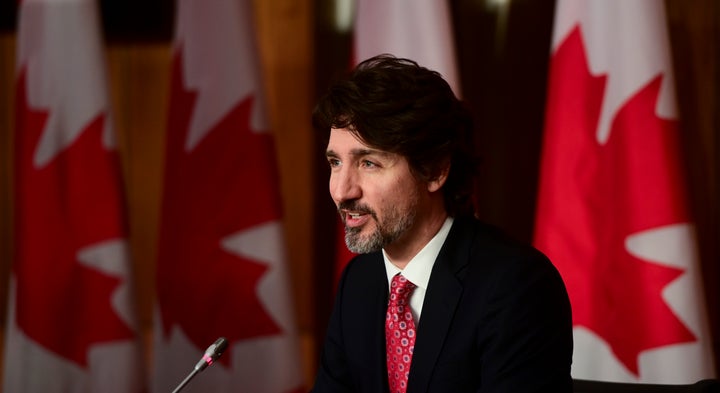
pixel 496 318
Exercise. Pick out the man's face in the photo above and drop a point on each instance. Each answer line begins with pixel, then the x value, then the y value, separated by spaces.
pixel 376 194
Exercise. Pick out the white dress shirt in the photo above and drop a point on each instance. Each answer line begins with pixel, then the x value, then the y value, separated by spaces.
pixel 419 268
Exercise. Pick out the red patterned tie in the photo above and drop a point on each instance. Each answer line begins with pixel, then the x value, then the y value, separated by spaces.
pixel 399 334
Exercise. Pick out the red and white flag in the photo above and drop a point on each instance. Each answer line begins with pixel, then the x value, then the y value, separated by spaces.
pixel 222 269
pixel 71 325
pixel 420 30
pixel 612 212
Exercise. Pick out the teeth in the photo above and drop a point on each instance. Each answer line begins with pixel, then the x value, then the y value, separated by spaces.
pixel 354 215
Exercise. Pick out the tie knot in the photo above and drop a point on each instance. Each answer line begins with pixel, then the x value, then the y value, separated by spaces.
pixel 400 289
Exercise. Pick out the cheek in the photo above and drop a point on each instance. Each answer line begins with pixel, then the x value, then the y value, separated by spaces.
pixel 392 194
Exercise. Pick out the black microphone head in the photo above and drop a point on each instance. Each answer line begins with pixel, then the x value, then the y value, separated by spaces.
pixel 212 353
pixel 220 346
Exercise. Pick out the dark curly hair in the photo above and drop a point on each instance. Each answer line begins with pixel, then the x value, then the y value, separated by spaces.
pixel 395 105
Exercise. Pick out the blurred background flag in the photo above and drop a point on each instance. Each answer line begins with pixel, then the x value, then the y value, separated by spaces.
pixel 71 324
pixel 420 30
pixel 221 265
pixel 612 211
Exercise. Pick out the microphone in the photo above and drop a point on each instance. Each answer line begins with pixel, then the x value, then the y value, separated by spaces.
pixel 211 354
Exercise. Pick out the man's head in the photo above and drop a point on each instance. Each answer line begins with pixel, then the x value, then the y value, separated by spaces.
pixel 400 148
pixel 395 105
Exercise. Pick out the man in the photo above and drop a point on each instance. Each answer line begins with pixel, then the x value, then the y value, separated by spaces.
pixel 486 314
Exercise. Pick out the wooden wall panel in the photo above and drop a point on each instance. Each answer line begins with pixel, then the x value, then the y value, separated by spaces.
pixel 139 85
pixel 694 28
pixel 285 41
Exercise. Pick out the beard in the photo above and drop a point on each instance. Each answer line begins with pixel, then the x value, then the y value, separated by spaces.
pixel 395 224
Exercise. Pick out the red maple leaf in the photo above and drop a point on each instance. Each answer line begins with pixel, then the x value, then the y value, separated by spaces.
pixel 70 203
pixel 599 195
pixel 224 185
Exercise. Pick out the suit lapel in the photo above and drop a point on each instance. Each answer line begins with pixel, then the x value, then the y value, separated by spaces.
pixel 378 324
pixel 441 300
pixel 371 320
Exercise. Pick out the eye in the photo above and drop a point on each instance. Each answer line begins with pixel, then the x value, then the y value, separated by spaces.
pixel 333 162
pixel 368 164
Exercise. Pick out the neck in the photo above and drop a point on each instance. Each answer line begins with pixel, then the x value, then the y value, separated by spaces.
pixel 402 251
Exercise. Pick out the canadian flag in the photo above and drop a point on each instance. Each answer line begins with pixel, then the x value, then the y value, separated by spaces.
pixel 71 324
pixel 221 266
pixel 612 210
pixel 420 30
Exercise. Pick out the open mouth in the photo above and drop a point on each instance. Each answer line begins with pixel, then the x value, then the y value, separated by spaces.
pixel 355 219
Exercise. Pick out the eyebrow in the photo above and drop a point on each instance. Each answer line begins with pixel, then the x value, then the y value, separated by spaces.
pixel 360 153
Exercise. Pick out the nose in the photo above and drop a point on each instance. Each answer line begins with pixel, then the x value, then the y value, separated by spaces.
pixel 344 185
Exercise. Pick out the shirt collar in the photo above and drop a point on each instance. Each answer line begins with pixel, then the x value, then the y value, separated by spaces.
pixel 420 266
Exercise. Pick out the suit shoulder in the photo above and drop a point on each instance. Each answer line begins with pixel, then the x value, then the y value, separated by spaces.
pixel 490 240
pixel 486 252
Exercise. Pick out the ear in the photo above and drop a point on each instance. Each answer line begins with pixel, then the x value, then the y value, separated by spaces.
pixel 437 182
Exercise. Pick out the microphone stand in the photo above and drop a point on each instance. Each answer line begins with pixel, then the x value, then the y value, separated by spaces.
pixel 185 381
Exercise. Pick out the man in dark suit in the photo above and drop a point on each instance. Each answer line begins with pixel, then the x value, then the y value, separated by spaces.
pixel 437 301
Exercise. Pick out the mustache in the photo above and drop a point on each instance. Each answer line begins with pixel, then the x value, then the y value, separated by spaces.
pixel 355 206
